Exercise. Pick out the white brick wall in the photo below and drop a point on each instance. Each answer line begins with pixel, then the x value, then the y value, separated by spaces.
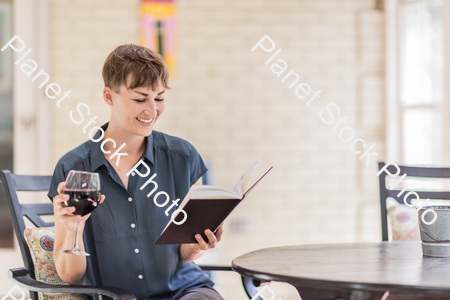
pixel 235 110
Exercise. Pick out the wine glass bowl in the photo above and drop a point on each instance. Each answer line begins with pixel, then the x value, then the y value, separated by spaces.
pixel 84 191
pixel 84 201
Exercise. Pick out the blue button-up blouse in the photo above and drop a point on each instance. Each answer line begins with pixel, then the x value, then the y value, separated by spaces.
pixel 120 233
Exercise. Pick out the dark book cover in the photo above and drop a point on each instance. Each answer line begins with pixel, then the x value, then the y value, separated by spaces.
pixel 201 214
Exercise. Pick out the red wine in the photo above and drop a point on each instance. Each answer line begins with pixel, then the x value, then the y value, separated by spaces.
pixel 84 201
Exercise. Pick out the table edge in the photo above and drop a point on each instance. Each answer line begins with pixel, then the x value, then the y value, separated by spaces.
pixel 320 283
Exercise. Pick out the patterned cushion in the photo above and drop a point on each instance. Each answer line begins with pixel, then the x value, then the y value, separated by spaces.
pixel 404 222
pixel 41 241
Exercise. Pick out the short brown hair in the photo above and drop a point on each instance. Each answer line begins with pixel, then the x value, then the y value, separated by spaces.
pixel 145 66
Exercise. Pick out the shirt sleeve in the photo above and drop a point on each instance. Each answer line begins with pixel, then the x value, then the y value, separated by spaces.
pixel 59 175
pixel 196 164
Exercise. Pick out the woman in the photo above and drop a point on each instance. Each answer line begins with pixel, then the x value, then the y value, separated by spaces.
pixel 120 233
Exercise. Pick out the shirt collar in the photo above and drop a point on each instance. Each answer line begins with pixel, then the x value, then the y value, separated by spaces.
pixel 149 151
pixel 98 158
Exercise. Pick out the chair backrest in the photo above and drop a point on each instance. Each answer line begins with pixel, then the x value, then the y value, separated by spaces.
pixel 33 212
pixel 419 172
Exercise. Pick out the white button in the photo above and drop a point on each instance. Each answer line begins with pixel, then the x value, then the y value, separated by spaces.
pixel 133 173
pixel 132 225
pixel 136 250
pixel 130 199
pixel 140 276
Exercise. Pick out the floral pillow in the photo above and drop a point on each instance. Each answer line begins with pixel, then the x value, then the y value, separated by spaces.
pixel 41 241
pixel 404 222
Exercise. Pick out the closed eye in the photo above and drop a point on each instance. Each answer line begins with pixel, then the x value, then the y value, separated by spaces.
pixel 143 100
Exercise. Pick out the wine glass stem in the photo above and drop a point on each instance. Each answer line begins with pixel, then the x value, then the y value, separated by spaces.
pixel 75 243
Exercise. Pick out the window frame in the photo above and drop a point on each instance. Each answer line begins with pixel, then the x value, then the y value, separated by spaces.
pixel 394 107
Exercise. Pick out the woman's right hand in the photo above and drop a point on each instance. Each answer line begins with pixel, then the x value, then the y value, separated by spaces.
pixel 71 268
pixel 65 213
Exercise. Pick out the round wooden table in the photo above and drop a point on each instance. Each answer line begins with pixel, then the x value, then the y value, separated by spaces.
pixel 351 271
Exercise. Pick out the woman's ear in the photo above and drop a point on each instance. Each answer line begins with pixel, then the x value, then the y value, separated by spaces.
pixel 107 95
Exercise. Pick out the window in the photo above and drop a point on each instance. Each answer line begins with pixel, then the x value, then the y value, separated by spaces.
pixel 416 110
pixel 421 75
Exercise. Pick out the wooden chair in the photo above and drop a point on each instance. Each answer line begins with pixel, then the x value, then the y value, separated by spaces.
pixel 25 276
pixel 418 172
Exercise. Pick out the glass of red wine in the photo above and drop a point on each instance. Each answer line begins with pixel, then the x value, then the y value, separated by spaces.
pixel 84 191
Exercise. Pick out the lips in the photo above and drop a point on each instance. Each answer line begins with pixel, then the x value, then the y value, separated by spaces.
pixel 145 122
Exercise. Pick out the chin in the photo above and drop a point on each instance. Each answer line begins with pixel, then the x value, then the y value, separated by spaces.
pixel 145 131
pixel 140 129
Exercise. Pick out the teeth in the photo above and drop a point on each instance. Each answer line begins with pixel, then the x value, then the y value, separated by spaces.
pixel 145 120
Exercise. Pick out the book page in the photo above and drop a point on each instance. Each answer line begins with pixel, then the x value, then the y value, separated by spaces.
pixel 210 191
pixel 249 190
pixel 243 181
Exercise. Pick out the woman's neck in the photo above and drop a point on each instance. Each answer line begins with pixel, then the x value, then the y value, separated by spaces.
pixel 135 145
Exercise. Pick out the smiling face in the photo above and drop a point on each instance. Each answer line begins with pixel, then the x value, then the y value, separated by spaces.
pixel 135 80
pixel 135 111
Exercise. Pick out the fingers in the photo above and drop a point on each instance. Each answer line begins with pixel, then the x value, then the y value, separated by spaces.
pixel 201 242
pixel 65 214
pixel 102 198
pixel 212 240
pixel 61 187
pixel 59 200
pixel 219 232
pixel 65 211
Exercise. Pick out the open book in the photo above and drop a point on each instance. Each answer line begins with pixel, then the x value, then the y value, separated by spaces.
pixel 206 207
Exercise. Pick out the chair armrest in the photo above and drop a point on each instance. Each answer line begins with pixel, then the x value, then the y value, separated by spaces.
pixel 215 268
pixel 21 278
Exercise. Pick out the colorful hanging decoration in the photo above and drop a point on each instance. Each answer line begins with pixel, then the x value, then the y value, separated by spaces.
pixel 158 29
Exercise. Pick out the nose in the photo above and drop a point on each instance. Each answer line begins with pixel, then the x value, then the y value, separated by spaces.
pixel 150 109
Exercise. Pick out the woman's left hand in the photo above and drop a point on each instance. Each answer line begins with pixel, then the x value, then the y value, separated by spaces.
pixel 213 239
pixel 190 252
